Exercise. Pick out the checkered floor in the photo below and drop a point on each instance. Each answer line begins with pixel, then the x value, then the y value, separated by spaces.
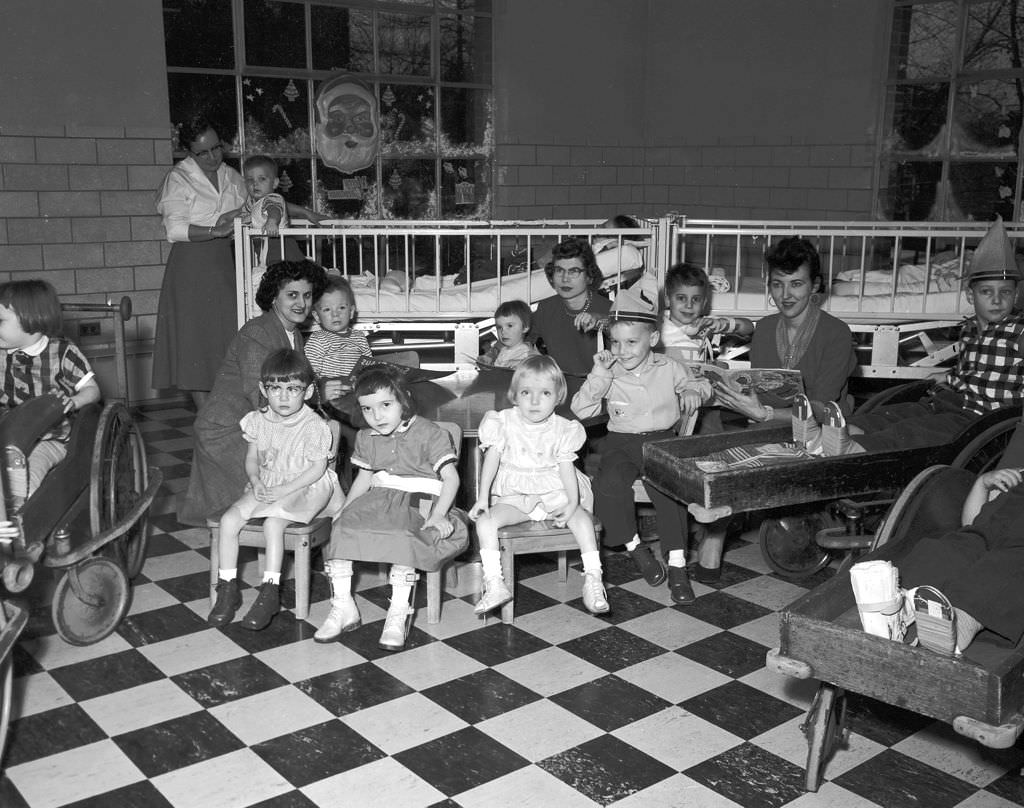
pixel 651 705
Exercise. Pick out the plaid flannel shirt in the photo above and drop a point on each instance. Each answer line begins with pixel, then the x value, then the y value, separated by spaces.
pixel 989 370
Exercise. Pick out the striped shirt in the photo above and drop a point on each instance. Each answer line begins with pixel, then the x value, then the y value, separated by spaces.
pixel 989 369
pixel 37 370
pixel 335 355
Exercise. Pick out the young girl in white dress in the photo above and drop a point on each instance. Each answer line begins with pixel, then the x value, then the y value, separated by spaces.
pixel 289 481
pixel 399 508
pixel 528 473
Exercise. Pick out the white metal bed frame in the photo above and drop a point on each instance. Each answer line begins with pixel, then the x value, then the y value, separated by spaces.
pixel 894 343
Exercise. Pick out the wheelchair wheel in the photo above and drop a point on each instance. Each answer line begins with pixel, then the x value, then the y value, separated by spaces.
pixel 825 728
pixel 7 674
pixel 983 453
pixel 90 600
pixel 120 474
pixel 788 543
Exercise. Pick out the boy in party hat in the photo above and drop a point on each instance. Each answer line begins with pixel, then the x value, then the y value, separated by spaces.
pixel 988 374
pixel 646 394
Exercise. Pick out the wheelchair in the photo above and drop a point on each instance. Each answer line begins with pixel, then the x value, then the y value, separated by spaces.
pixel 821 638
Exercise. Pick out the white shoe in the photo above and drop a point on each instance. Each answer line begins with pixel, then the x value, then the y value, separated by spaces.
pixel 392 638
pixel 495 594
pixel 594 597
pixel 343 617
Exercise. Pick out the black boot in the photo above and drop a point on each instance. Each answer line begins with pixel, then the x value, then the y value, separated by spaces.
pixel 650 566
pixel 679 586
pixel 268 603
pixel 229 598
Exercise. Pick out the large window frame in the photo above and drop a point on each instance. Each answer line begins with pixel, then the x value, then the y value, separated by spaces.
pixel 429 65
pixel 950 143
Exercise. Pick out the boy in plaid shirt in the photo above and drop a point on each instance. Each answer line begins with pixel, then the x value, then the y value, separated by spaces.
pixel 988 374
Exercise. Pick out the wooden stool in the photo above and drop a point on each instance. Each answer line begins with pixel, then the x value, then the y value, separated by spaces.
pixel 534 537
pixel 299 539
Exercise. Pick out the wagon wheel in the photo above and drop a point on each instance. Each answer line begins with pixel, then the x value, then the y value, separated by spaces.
pixel 825 730
pixel 788 543
pixel 983 453
pixel 90 600
pixel 120 474
pixel 7 672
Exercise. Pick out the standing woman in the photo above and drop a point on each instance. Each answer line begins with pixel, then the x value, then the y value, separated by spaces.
pixel 196 315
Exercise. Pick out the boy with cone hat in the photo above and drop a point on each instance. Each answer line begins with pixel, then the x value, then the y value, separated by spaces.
pixel 646 393
pixel 988 374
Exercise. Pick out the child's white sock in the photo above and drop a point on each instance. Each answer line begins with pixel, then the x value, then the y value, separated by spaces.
pixel 228 575
pixel 490 560
pixel 633 543
pixel 591 561
pixel 677 558
pixel 273 577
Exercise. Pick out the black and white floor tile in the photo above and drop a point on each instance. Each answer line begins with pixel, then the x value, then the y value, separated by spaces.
pixel 650 706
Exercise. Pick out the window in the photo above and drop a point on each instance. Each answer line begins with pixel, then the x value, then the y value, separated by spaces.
pixel 951 138
pixel 255 67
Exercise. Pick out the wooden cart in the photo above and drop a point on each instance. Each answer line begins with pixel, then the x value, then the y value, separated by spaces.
pixel 789 542
pixel 981 693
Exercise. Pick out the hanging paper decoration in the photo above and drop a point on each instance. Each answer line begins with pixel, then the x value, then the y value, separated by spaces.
pixel 465 193
pixel 395 180
pixel 285 183
pixel 348 125
pixel 388 96
pixel 280 111
pixel 291 92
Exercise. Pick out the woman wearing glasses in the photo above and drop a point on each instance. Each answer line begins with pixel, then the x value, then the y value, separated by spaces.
pixel 566 325
pixel 196 315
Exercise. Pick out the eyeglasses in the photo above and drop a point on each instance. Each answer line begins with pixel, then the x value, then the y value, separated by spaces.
pixel 572 273
pixel 207 153
pixel 282 390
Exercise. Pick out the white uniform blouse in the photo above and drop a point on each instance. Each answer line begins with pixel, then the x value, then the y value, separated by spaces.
pixel 188 197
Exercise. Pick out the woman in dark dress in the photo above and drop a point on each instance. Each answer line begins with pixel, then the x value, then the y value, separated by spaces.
pixel 286 294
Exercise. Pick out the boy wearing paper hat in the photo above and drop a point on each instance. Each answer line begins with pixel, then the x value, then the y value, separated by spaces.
pixel 646 394
pixel 989 369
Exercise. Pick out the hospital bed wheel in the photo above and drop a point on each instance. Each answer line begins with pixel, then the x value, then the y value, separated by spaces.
pixel 825 728
pixel 983 453
pixel 788 543
pixel 90 600
pixel 120 474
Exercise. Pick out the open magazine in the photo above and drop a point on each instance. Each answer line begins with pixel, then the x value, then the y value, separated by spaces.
pixel 410 374
pixel 751 456
pixel 778 382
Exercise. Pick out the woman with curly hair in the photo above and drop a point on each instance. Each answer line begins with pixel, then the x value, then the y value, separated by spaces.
pixel 286 294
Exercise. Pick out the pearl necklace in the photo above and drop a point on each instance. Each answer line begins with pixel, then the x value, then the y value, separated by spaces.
pixel 572 313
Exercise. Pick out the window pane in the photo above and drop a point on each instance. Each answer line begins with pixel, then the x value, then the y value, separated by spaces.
pixel 465 121
pixel 275 33
pixel 465 49
pixel 342 39
pixel 348 196
pixel 214 96
pixel 198 33
pixel 916 117
pixel 295 180
pixel 404 46
pixel 466 5
pixel 923 37
pixel 981 190
pixel 465 189
pixel 987 118
pixel 408 190
pixel 407 119
pixel 994 35
pixel 276 116
pixel 909 191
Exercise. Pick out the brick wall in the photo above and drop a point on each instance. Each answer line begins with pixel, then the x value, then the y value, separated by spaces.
pixel 77 209
pixel 737 180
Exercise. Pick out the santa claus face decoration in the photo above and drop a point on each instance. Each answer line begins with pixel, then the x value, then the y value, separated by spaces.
pixel 348 124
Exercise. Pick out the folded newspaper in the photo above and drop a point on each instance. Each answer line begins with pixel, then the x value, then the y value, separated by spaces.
pixel 780 383
pixel 752 456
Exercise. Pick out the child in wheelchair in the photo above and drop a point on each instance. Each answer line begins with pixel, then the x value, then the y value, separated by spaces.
pixel 988 374
pixel 969 579
pixel 39 361
pixel 289 481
